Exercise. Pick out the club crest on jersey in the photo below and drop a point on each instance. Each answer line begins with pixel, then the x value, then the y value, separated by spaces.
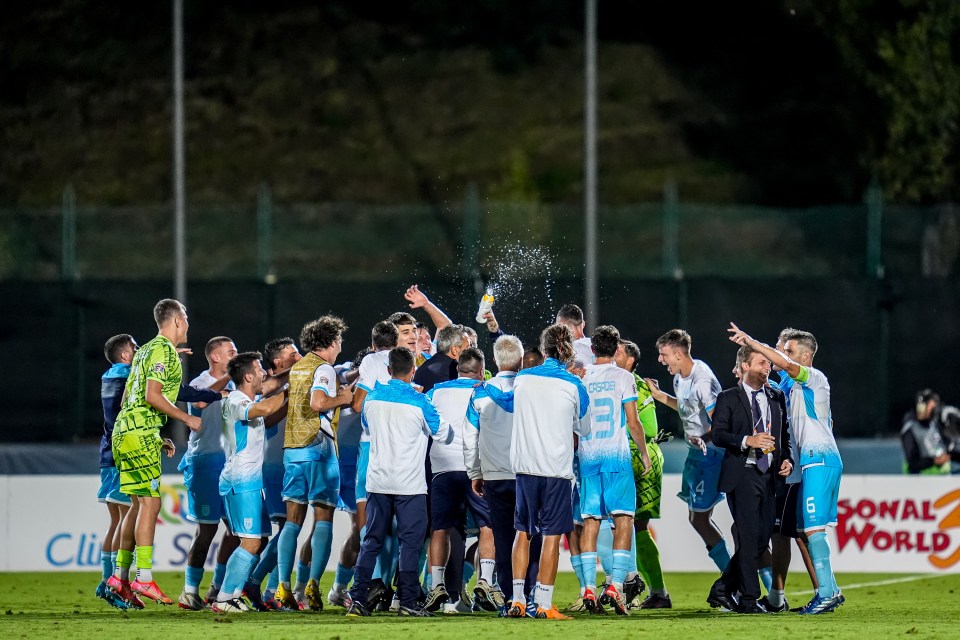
pixel 248 523
pixel 159 368
pixel 205 509
pixel 155 484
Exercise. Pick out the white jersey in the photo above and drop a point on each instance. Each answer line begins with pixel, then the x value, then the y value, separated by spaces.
pixel 325 380
pixel 550 405
pixel 489 429
pixel 811 419
pixel 583 352
pixel 606 448
pixel 243 471
pixel 696 397
pixel 451 399
pixel 208 439
pixel 399 419
pixel 373 369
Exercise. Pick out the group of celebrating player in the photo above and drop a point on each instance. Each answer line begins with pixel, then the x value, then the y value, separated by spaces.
pixel 425 450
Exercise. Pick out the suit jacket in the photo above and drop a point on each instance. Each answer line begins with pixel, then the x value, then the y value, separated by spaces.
pixel 733 419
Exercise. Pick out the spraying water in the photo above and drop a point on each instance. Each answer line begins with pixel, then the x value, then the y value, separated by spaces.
pixel 521 277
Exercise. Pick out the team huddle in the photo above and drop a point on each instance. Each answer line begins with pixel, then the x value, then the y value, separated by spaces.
pixel 447 471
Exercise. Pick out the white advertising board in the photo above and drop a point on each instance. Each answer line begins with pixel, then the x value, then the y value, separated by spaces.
pixel 885 524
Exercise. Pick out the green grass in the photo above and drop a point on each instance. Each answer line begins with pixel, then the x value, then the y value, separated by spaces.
pixel 36 605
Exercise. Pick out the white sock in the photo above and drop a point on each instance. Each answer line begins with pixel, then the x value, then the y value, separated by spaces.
pixel 618 586
pixel 224 597
pixel 144 575
pixel 632 575
pixel 189 588
pixel 487 568
pixel 544 596
pixel 518 595
pixel 339 588
pixel 436 575
pixel 286 584
pixel 775 597
pixel 583 590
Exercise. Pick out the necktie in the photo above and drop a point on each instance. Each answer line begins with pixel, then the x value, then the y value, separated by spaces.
pixel 758 427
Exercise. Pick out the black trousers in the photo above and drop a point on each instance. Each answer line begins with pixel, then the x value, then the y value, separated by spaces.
pixel 752 504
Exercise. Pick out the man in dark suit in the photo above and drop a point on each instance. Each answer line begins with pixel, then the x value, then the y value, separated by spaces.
pixel 750 423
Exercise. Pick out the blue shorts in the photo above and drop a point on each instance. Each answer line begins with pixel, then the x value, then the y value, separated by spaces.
pixel 110 487
pixel 315 482
pixel 347 499
pixel 247 514
pixel 273 491
pixel 819 491
pixel 608 494
pixel 363 459
pixel 450 496
pixel 575 501
pixel 701 473
pixel 543 505
pixel 201 476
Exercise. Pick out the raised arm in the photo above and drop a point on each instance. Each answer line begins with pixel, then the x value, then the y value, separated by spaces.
pixel 776 358
pixel 419 300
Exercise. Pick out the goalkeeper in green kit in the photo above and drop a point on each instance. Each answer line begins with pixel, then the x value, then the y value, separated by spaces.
pixel 649 487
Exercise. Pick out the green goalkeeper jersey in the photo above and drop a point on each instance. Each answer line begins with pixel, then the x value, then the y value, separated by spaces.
pixel 646 410
pixel 156 360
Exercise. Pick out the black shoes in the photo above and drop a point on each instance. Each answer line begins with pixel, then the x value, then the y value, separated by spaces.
pixel 765 603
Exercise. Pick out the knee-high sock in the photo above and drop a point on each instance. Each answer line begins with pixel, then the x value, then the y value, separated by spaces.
pixel 820 554
pixel 589 560
pixel 322 544
pixel 287 551
pixel 577 562
pixel 268 562
pixel 621 564
pixel 766 577
pixel 605 549
pixel 648 557
pixel 719 554
pixel 239 566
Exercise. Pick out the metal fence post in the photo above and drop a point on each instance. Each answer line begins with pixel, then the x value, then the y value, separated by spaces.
pixel 874 201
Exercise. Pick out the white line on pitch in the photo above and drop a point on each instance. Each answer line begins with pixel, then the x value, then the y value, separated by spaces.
pixel 880 583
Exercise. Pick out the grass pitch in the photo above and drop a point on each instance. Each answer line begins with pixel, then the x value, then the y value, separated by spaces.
pixel 46 605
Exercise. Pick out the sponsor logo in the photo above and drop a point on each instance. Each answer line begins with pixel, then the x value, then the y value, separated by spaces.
pixel 902 525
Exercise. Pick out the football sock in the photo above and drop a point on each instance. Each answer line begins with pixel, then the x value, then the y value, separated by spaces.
pixel 145 564
pixel 239 565
pixel 518 595
pixel 303 576
pixel 820 554
pixel 577 562
pixel 605 549
pixel 286 551
pixel 268 562
pixel 219 571
pixel 342 579
pixel 321 543
pixel 718 553
pixel 589 561
pixel 436 575
pixel 766 577
pixel 124 560
pixel 273 580
pixel 648 556
pixel 621 563
pixel 191 579
pixel 544 596
pixel 775 597
pixel 487 568
pixel 106 565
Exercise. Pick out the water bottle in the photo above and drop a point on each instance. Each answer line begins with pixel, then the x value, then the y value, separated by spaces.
pixel 486 304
